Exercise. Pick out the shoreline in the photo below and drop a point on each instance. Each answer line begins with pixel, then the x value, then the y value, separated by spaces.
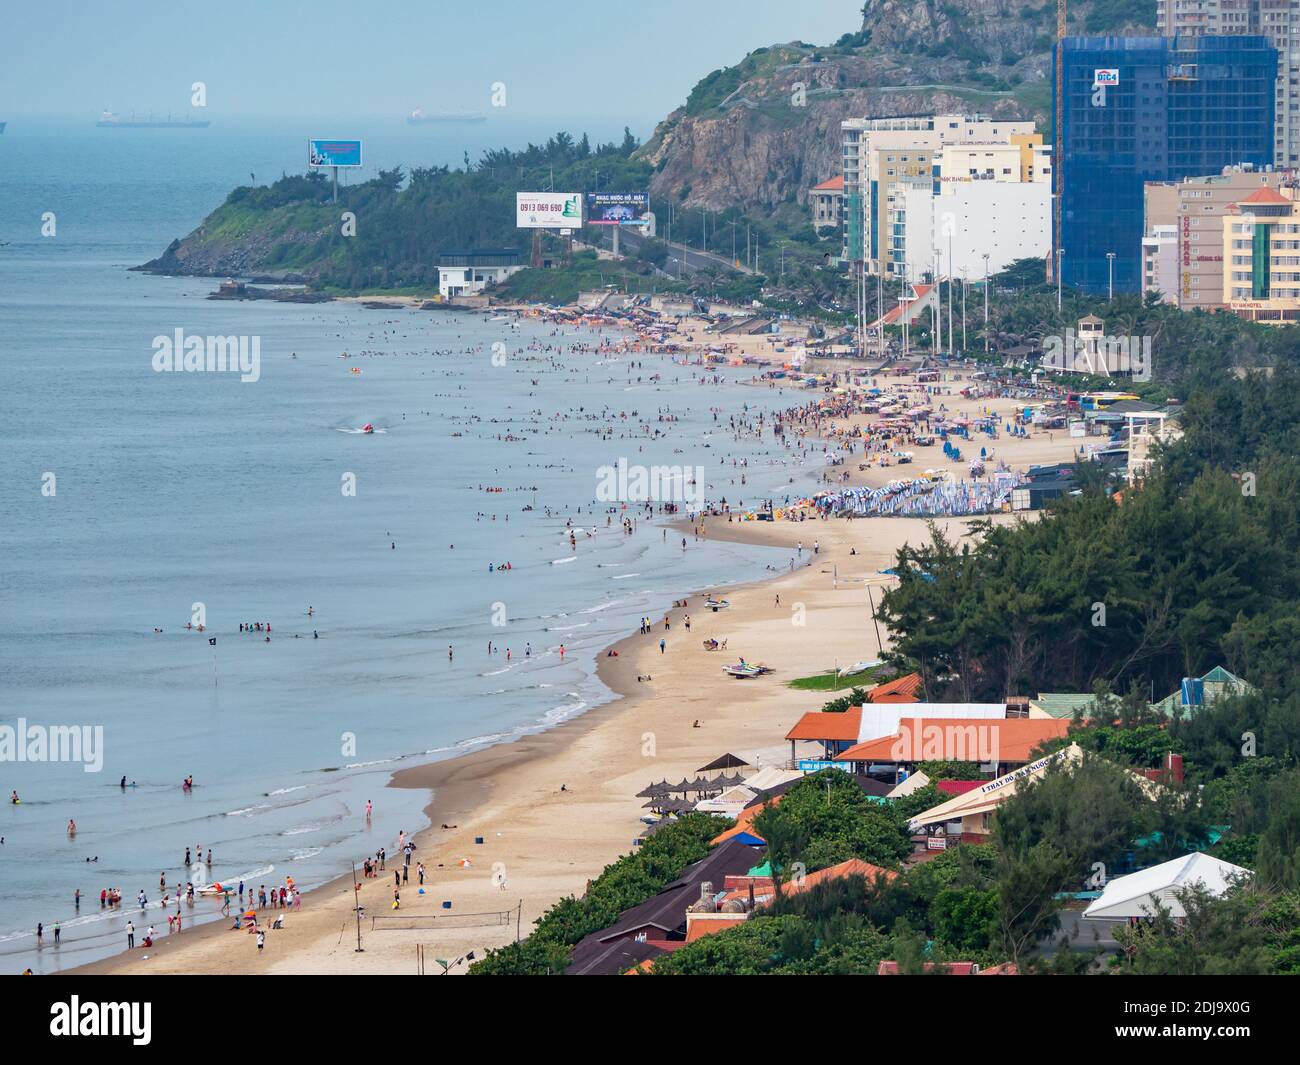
pixel 456 787
pixel 552 808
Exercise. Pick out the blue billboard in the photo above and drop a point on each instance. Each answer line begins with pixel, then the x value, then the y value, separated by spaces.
pixel 618 208
pixel 333 153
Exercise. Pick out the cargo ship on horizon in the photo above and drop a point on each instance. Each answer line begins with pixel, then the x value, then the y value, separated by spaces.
pixel 419 118
pixel 108 120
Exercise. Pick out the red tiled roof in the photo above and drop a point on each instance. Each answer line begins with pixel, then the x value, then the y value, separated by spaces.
pixel 852 867
pixel 896 312
pixel 958 787
pixel 818 725
pixel 1265 194
pixel 949 968
pixel 998 739
pixel 698 929
pixel 743 821
pixel 1007 968
pixel 899 690
pixel 836 184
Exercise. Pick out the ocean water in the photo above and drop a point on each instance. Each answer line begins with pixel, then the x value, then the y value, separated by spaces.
pixel 173 490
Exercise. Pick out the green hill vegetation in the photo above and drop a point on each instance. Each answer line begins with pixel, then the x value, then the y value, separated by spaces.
pixel 404 219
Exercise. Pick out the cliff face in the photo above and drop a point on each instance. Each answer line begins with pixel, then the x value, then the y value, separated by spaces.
pixel 760 133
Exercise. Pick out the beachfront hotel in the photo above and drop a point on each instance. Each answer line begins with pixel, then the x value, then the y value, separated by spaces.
pixel 879 153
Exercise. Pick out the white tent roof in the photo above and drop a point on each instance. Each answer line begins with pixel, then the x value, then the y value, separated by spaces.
pixel 1137 894
pixel 731 801
pixel 771 776
pixel 913 783
pixel 881 719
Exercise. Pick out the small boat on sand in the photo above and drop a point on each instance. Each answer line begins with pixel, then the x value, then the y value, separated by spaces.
pixel 744 670
pixel 716 604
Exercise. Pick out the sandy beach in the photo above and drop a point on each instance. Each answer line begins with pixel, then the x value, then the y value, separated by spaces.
pixel 553 809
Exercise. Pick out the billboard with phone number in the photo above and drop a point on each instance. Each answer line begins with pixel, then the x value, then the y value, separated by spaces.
pixel 333 153
pixel 548 210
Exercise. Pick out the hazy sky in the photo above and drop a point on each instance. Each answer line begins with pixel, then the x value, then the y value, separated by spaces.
pixel 332 58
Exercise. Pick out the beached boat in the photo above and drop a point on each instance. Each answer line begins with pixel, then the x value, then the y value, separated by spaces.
pixel 716 604
pixel 744 670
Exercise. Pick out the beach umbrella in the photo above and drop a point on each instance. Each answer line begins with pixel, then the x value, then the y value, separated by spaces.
pixel 652 789
pixel 700 784
pixel 683 787
pixel 726 761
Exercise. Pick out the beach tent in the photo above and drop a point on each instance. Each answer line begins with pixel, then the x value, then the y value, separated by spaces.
pixel 915 782
pixel 1142 893
pixel 730 802
pixel 771 777
pixel 727 761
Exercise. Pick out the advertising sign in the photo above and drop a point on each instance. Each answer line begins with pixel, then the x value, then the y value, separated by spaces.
pixel 618 208
pixel 548 210
pixel 1108 76
pixel 333 153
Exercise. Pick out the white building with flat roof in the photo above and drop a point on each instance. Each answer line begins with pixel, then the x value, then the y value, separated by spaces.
pixel 949 234
pixel 881 152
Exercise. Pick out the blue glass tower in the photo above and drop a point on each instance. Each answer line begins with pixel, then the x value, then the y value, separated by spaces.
pixel 1140 109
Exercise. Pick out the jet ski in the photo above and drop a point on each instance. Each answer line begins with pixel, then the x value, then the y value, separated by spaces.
pixel 367 428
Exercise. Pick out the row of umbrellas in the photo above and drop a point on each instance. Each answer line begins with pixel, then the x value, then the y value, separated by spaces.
pixel 702 785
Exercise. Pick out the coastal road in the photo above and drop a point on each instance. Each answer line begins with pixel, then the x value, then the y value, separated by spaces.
pixel 682 261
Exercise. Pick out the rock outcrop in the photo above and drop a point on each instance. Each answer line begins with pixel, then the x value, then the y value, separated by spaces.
pixel 759 134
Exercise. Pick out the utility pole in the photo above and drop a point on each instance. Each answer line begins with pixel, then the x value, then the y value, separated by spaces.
pixel 938 305
pixel 880 309
pixel 963 312
pixel 986 304
pixel 356 899
pixel 950 275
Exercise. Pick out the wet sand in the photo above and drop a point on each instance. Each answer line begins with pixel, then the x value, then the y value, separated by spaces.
pixel 555 808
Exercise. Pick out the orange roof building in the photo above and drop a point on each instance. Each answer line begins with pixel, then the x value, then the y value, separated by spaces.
pixel 852 867
pixel 999 742
pixel 835 732
pixel 905 689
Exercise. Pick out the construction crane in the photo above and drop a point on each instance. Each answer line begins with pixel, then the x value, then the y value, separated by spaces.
pixel 1058 149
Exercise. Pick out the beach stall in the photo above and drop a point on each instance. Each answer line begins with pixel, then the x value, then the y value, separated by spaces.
pixel 1144 893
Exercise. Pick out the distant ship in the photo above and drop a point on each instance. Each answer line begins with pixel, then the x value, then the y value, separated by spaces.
pixel 419 118
pixel 108 120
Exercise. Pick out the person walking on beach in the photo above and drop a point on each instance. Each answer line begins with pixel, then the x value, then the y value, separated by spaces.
pixel 261 940
pixel 40 933
pixel 130 935
pixel 57 930
pixel 369 809
pixel 420 871
pixel 662 645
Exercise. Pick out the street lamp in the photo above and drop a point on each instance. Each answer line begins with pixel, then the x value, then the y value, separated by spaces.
pixel 963 312
pixel 1110 281
pixel 986 305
